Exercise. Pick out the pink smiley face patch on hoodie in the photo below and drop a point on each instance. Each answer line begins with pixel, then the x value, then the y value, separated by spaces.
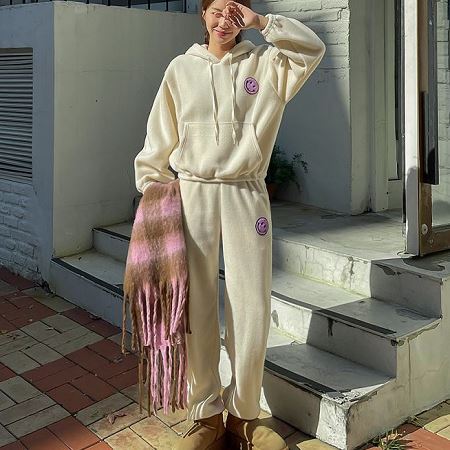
pixel 251 85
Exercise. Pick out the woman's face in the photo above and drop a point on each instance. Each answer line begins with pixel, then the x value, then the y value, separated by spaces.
pixel 220 30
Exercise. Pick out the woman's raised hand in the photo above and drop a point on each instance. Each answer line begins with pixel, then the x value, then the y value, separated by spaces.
pixel 241 16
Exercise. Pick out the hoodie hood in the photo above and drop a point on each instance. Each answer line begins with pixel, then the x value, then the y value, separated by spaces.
pixel 201 51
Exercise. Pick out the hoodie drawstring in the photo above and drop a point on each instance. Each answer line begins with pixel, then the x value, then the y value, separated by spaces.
pixel 214 102
pixel 216 125
pixel 233 101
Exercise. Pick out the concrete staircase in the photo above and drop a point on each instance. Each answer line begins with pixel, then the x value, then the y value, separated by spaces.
pixel 357 332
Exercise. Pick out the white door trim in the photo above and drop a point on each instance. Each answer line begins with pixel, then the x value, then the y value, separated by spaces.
pixel 411 109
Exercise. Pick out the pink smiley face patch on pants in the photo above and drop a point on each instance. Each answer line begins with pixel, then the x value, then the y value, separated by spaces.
pixel 262 226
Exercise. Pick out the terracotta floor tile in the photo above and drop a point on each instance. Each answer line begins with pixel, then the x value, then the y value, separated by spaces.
pixel 79 315
pixel 103 327
pixel 124 379
pixel 408 439
pixel 48 369
pixel 107 348
pixel 23 301
pixel 94 386
pixel 28 315
pixel 42 439
pixel 73 433
pixel 8 310
pixel 70 398
pixel 40 311
pixel 407 428
pixel 6 372
pixel 428 440
pixel 12 312
pixel 87 358
pixel 6 326
pixel 122 364
pixel 59 378
pixel 16 280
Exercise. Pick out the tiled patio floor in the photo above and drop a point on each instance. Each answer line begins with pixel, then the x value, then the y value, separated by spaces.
pixel 64 384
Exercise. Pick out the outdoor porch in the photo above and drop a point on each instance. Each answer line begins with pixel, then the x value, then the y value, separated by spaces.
pixel 353 319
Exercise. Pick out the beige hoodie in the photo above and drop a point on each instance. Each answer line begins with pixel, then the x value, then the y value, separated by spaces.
pixel 217 119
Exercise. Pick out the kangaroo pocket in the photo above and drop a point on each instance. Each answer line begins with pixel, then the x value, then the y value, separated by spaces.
pixel 200 155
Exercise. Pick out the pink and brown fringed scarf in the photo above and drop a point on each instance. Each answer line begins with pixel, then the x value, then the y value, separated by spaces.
pixel 156 287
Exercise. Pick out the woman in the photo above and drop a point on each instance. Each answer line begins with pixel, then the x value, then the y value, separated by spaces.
pixel 215 119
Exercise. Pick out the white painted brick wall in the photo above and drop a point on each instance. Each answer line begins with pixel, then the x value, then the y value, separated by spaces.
pixel 329 19
pixel 441 192
pixel 19 244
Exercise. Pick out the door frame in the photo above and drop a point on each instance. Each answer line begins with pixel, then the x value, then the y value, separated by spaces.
pixel 411 117
pixel 385 192
pixel 421 137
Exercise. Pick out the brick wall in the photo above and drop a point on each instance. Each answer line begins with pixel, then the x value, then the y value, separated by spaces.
pixel 329 19
pixel 19 244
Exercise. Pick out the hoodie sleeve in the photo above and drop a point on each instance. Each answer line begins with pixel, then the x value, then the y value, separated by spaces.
pixel 297 51
pixel 152 162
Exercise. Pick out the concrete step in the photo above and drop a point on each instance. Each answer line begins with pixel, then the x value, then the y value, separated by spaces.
pixel 334 398
pixel 401 280
pixel 349 252
pixel 333 247
pixel 414 282
pixel 91 280
pixel 328 316
pixel 331 389
pixel 321 394
pixel 113 240
pixel 364 254
pixel 362 329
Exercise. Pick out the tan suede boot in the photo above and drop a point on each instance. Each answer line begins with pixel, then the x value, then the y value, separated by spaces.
pixel 205 434
pixel 251 435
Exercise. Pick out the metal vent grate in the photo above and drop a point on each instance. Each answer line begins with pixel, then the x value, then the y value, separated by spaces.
pixel 16 112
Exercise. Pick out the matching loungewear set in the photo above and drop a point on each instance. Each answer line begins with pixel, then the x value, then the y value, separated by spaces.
pixel 215 122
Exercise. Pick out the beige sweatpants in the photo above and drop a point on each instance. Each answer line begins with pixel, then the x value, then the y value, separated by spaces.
pixel 240 211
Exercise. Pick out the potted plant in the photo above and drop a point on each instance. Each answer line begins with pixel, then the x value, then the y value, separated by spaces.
pixel 281 170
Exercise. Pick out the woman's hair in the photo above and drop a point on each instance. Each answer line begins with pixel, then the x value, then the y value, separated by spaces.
pixel 205 5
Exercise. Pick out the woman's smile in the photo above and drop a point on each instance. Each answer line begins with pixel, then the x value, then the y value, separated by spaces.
pixel 221 33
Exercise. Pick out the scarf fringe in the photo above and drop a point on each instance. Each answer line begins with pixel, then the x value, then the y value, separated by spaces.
pixel 160 342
